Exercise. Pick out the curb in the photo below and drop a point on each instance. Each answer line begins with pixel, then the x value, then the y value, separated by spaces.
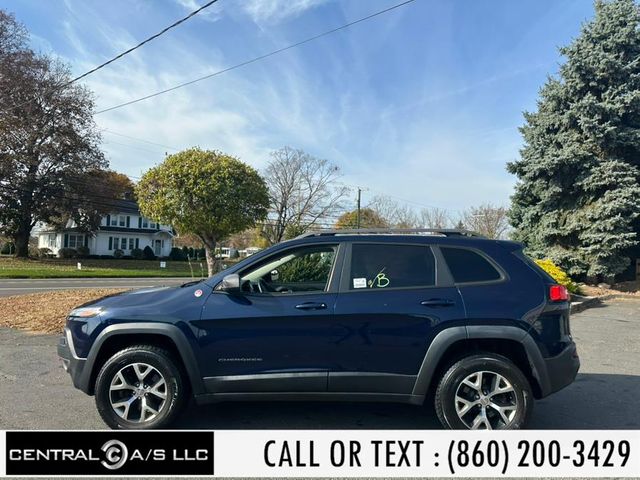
pixel 590 302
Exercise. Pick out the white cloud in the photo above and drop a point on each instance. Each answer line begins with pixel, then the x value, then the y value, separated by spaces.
pixel 212 13
pixel 260 11
pixel 273 11
pixel 336 114
pixel 232 112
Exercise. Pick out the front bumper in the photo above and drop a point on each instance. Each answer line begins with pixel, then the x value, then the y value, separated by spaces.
pixel 563 368
pixel 71 363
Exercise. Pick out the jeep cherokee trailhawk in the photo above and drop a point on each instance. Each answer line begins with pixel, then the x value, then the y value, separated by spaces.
pixel 371 315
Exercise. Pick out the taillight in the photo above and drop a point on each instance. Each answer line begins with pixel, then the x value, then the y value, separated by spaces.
pixel 558 293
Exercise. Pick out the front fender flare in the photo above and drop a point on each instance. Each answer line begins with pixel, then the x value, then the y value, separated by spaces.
pixel 167 330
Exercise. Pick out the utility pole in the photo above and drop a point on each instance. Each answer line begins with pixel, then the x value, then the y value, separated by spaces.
pixel 358 209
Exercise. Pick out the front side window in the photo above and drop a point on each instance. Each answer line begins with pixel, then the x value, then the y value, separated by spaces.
pixel 380 266
pixel 300 270
pixel 468 266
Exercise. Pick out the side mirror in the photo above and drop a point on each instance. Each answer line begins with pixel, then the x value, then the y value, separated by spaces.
pixel 230 283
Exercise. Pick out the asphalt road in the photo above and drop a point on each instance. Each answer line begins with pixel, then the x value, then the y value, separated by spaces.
pixel 35 393
pixel 22 286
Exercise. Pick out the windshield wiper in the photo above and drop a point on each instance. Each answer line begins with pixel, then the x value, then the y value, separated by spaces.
pixel 193 282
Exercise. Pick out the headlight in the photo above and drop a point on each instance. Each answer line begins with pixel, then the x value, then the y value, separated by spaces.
pixel 86 312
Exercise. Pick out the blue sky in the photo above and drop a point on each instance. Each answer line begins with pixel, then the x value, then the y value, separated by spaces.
pixel 422 104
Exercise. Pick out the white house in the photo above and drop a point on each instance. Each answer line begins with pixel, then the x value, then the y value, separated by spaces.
pixel 124 229
pixel 247 252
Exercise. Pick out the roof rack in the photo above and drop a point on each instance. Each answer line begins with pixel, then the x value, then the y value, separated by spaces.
pixel 442 232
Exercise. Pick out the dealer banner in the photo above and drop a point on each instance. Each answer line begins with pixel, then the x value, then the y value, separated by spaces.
pixel 322 453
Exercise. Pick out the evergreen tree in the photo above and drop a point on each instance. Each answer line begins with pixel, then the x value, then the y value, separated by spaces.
pixel 578 196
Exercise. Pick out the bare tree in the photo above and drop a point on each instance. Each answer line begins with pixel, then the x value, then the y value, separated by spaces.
pixel 394 213
pixel 303 192
pixel 47 136
pixel 13 35
pixel 486 219
pixel 434 218
pixel 384 207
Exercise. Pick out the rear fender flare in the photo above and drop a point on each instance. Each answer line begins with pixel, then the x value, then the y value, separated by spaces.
pixel 449 336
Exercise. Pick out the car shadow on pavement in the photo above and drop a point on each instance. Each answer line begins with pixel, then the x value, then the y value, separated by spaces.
pixel 593 400
pixel 599 401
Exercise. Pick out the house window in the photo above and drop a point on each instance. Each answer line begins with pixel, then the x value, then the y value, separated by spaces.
pixel 51 240
pixel 123 244
pixel 122 220
pixel 145 223
pixel 131 240
pixel 152 225
pixel 115 243
pixel 114 221
pixel 76 241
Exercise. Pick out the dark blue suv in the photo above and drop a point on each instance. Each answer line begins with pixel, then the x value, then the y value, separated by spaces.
pixel 382 316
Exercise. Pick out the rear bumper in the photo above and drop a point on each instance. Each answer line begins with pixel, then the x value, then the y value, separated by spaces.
pixel 71 363
pixel 562 369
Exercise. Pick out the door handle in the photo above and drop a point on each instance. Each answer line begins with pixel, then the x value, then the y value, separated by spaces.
pixel 311 306
pixel 437 302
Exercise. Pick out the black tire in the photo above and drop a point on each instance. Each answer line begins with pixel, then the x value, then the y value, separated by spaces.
pixel 445 398
pixel 164 363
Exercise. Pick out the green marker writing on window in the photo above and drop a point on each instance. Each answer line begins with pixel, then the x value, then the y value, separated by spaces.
pixel 380 280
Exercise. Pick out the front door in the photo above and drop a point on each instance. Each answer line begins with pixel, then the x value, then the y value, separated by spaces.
pixel 275 334
pixel 391 304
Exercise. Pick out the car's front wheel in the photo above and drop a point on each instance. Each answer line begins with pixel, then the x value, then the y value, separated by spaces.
pixel 140 387
pixel 483 391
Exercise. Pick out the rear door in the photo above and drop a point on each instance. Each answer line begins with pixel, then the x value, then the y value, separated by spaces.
pixel 392 302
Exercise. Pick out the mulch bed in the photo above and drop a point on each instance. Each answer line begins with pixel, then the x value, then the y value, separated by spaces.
pixel 45 312
pixel 624 288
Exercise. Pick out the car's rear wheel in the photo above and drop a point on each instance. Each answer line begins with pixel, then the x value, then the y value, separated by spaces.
pixel 140 387
pixel 484 391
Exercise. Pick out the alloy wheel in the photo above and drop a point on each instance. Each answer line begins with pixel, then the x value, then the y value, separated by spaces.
pixel 138 392
pixel 486 400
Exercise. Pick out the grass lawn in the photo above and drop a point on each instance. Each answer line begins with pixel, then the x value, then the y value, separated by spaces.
pixel 64 268
pixel 45 312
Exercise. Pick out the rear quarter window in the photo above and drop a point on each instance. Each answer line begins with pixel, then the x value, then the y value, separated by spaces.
pixel 534 266
pixel 468 266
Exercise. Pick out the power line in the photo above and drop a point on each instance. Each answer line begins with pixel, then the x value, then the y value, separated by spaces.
pixel 384 194
pixel 152 37
pixel 140 139
pixel 112 203
pixel 117 57
pixel 141 149
pixel 257 59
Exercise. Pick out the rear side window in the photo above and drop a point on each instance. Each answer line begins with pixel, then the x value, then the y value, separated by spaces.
pixel 379 266
pixel 469 266
pixel 537 268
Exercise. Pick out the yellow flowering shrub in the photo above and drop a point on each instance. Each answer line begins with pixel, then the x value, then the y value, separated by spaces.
pixel 558 274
